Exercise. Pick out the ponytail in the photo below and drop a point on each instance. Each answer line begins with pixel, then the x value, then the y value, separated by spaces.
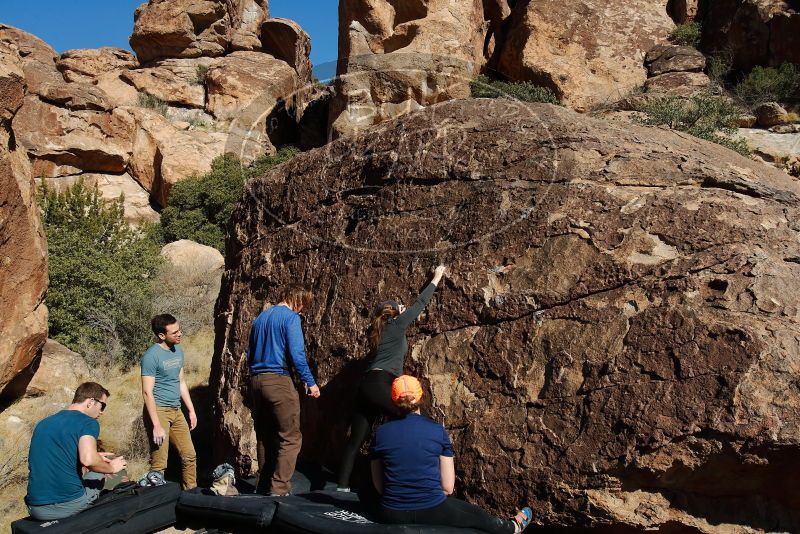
pixel 382 314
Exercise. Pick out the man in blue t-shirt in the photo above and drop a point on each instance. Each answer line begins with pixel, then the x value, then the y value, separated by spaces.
pixel 61 446
pixel 276 342
pixel 163 388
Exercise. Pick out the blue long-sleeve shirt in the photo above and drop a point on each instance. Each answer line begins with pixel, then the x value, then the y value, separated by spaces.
pixel 275 334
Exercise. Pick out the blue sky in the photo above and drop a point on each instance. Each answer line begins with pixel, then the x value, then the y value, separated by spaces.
pixel 66 24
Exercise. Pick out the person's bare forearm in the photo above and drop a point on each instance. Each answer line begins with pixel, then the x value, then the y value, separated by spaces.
pixel 185 397
pixel 150 406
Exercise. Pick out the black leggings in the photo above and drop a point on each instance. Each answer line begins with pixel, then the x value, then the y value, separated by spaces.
pixel 373 400
pixel 452 513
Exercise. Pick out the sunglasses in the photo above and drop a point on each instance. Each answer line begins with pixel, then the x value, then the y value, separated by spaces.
pixel 102 405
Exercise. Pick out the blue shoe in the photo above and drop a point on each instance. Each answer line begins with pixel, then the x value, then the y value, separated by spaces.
pixel 523 518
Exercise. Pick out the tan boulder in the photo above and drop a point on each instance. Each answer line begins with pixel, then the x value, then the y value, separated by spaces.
pixel 74 96
pixel 194 28
pixel 186 255
pixel 163 154
pixel 58 367
pixel 590 52
pixel 23 272
pixel 674 58
pixel 771 114
pixel 242 90
pixel 285 39
pixel 37 57
pixel 86 140
pixel 754 32
pixel 678 83
pixel 138 209
pixel 396 57
pixel 175 81
pixel 88 64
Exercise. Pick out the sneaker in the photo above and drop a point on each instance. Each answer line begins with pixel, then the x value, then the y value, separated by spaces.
pixel 152 478
pixel 522 519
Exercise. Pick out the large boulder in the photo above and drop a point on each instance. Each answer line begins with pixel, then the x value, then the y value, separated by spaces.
pixel 753 32
pixel 60 140
pixel 590 52
pixel 616 343
pixel 57 368
pixel 23 250
pixel 194 28
pixel 285 39
pixel 162 154
pixel 89 64
pixel 395 57
pixel 178 82
pixel 243 89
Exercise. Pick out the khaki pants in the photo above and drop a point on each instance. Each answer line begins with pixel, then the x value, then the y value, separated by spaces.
pixel 177 432
pixel 276 414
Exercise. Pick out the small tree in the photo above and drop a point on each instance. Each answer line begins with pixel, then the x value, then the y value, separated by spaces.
pixel 101 273
pixel 705 116
pixel 769 84
pixel 201 207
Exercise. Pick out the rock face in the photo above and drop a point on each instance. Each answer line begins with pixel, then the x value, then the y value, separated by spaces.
pixel 284 39
pixel 396 57
pixel 618 337
pixel 756 32
pixel 194 28
pixel 23 250
pixel 88 64
pixel 588 52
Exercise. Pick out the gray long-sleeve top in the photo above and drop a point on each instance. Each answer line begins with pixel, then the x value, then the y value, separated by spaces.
pixel 392 348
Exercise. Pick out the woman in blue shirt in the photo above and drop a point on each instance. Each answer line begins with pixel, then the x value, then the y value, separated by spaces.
pixel 413 470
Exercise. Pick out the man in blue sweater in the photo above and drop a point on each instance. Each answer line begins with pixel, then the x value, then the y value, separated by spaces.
pixel 276 338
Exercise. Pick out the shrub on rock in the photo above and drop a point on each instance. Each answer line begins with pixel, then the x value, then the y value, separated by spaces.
pixel 483 87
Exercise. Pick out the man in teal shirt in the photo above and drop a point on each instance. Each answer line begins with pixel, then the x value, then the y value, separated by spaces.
pixel 61 446
pixel 163 389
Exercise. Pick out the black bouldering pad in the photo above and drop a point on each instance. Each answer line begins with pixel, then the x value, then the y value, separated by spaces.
pixel 135 510
pixel 203 509
pixel 332 512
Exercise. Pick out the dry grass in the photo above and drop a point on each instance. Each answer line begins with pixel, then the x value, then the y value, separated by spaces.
pixel 121 427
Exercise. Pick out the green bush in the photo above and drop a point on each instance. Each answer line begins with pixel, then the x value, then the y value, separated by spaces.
pixel 707 117
pixel 719 67
pixel 101 273
pixel 201 74
pixel 146 100
pixel 200 207
pixel 483 87
pixel 769 84
pixel 686 34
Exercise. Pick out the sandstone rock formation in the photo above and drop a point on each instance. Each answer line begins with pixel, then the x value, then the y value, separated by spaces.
pixel 756 32
pixel 589 53
pixel 284 39
pixel 194 28
pixel 89 64
pixel 617 341
pixel 396 57
pixel 23 251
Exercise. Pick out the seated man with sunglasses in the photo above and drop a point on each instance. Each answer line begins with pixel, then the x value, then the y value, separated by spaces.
pixel 61 446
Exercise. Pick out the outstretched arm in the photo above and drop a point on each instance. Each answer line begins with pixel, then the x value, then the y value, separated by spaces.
pixel 297 351
pixel 405 319
pixel 447 472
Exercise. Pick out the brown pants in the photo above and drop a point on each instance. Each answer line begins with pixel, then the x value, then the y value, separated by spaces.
pixel 177 429
pixel 276 414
